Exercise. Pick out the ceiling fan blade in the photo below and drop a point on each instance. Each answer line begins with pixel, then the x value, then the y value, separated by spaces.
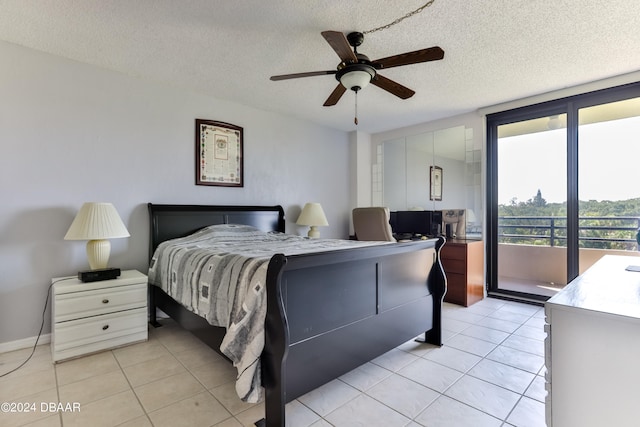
pixel 415 57
pixel 335 96
pixel 339 43
pixel 392 87
pixel 297 75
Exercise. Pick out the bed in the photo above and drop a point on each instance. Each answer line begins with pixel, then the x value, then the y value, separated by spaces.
pixel 326 312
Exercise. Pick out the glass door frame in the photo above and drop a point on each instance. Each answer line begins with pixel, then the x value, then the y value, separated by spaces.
pixel 569 106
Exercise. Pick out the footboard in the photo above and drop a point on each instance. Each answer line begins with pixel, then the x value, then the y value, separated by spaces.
pixel 331 312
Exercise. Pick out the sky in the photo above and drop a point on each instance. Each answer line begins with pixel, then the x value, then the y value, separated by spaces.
pixel 609 163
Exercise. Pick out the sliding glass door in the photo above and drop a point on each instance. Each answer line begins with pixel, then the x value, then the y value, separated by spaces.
pixel 608 180
pixel 561 189
pixel 532 200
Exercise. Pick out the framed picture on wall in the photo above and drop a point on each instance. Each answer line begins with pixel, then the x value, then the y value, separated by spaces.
pixel 435 183
pixel 219 154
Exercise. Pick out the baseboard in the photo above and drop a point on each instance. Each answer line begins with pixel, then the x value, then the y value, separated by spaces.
pixel 24 343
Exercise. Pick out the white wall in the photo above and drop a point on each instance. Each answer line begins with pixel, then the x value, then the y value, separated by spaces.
pixel 361 168
pixel 72 133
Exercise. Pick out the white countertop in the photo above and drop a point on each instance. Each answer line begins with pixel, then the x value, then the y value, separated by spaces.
pixel 605 287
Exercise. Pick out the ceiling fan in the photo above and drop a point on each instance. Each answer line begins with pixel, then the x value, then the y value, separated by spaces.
pixel 356 70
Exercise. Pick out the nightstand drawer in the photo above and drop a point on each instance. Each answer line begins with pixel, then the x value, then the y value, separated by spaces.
pixel 100 301
pixel 104 328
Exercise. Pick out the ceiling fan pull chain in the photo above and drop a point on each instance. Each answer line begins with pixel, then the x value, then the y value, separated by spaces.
pixel 402 18
pixel 355 119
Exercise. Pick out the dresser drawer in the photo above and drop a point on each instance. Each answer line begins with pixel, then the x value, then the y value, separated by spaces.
pixel 454 251
pixel 454 266
pixel 456 289
pixel 82 332
pixel 75 305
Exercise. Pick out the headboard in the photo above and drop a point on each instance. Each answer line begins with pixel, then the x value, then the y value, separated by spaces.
pixel 173 221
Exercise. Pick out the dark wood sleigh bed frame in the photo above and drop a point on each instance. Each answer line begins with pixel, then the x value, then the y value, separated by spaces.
pixel 328 312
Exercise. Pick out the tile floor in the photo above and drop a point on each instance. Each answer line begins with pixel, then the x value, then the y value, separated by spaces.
pixel 490 372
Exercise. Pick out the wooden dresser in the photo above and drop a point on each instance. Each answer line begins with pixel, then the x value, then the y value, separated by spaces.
pixel 464 267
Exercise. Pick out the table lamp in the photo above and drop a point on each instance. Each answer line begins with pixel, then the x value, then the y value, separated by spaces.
pixel 313 216
pixel 97 222
pixel 471 217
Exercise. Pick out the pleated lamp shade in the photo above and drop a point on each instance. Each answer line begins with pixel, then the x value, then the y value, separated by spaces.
pixel 313 216
pixel 97 222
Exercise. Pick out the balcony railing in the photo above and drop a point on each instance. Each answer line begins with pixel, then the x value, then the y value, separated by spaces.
pixel 604 232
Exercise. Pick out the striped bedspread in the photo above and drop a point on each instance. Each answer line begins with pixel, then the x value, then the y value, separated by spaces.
pixel 219 273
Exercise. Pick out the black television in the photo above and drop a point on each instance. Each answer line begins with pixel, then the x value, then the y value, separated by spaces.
pixel 426 223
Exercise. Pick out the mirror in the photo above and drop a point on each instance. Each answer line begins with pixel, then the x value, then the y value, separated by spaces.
pixel 404 178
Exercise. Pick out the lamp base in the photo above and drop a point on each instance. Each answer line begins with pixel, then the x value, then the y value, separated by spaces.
pixel 98 253
pixel 313 233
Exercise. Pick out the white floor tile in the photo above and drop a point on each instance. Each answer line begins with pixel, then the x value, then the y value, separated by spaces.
pixel 504 314
pixel 471 345
pixel 431 374
pixel 487 334
pixel 528 345
pixel 516 358
pixel 365 411
pixel 486 397
pixel 499 324
pixel 480 310
pixel 416 348
pixel 329 397
pixel 491 303
pixel 463 316
pixel 536 389
pixel 454 325
pixel 403 395
pixel 298 415
pixel 453 358
pixel 365 376
pixel 526 309
pixel 528 413
pixel 447 335
pixel 394 360
pixel 446 412
pixel 320 423
pixel 511 378
pixel 531 332
pixel 536 322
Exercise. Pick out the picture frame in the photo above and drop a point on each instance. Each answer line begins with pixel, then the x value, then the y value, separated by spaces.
pixel 219 154
pixel 435 183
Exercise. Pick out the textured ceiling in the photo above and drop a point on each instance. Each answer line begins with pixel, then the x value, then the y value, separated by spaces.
pixel 495 51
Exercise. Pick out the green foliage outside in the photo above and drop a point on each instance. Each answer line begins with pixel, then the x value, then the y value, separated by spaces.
pixel 603 224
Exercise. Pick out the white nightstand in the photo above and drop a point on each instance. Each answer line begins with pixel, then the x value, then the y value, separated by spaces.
pixel 95 316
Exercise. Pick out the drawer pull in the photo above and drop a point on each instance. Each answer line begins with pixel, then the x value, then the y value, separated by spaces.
pixel 105 301
pixel 105 327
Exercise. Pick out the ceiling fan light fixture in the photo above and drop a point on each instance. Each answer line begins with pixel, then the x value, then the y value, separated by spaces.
pixel 356 77
pixel 355 70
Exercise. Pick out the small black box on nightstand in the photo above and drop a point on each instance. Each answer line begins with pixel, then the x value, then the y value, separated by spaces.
pixel 98 275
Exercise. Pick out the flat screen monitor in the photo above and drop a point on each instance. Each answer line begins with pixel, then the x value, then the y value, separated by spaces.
pixel 413 222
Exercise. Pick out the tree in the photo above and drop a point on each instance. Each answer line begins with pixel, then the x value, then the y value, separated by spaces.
pixel 601 224
pixel 538 201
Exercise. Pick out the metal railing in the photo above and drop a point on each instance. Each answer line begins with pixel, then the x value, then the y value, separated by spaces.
pixel 602 232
